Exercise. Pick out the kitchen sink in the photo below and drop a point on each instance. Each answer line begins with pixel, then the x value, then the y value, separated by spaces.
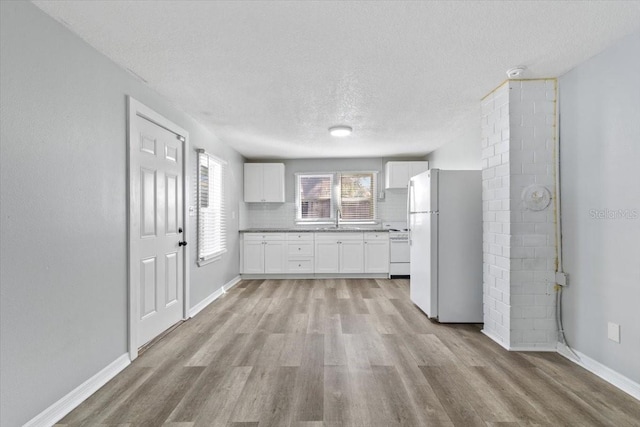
pixel 338 228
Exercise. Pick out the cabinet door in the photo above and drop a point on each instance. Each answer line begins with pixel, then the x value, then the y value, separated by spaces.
pixel 273 182
pixel 397 175
pixel 274 257
pixel 376 256
pixel 253 182
pixel 253 257
pixel 351 256
pixel 327 257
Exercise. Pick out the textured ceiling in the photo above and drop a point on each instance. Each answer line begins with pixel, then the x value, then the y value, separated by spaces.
pixel 269 78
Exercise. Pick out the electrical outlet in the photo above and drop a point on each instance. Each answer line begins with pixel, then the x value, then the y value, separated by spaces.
pixel 613 332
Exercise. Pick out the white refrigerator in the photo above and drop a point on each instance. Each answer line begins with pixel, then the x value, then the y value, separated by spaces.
pixel 445 238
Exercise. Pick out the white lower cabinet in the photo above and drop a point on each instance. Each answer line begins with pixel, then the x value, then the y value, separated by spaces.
pixel 351 256
pixel 253 259
pixel 327 259
pixel 263 253
pixel 274 257
pixel 339 253
pixel 300 253
pixel 316 253
pixel 376 252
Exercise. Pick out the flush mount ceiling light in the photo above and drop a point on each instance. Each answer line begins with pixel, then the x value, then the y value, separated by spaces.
pixel 516 72
pixel 340 130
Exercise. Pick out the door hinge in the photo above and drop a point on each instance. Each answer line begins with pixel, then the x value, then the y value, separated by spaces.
pixel 181 138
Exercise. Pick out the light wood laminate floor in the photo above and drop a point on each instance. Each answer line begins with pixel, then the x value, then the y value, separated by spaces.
pixel 344 353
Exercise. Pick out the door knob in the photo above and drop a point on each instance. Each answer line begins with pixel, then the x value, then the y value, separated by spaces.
pixel 182 243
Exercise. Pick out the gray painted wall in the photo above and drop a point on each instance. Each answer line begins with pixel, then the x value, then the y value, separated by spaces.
pixel 63 210
pixel 465 151
pixel 600 155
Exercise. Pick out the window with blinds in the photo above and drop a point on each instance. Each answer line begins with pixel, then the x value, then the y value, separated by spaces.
pixel 358 197
pixel 319 196
pixel 314 197
pixel 211 226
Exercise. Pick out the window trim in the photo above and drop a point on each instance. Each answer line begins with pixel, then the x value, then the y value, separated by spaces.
pixel 216 255
pixel 336 198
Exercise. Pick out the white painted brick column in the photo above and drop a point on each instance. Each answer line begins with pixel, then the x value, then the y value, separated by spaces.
pixel 518 137
pixel 495 214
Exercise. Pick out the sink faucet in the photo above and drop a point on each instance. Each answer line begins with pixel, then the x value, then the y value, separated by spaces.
pixel 338 216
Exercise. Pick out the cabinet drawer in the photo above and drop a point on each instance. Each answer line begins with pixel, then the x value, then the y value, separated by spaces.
pixel 383 235
pixel 300 237
pixel 300 266
pixel 263 236
pixel 300 249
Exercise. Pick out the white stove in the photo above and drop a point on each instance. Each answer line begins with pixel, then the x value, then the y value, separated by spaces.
pixel 399 256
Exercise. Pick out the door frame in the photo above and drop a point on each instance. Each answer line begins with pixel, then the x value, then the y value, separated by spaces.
pixel 137 109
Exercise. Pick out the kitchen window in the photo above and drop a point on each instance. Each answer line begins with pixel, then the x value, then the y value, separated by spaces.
pixel 211 224
pixel 352 195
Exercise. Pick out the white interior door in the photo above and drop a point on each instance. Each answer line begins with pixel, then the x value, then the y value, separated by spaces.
pixel 156 227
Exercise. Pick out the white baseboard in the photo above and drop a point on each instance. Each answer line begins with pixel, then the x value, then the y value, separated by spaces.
pixel 231 283
pixel 214 296
pixel 68 403
pixel 609 375
pixel 495 338
pixel 545 347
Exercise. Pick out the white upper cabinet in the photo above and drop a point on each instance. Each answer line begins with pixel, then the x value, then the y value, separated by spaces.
pixel 264 182
pixel 397 174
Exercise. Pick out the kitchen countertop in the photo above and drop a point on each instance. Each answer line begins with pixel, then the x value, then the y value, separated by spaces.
pixel 313 230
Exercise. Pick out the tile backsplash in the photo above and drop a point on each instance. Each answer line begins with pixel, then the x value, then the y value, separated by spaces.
pixel 282 215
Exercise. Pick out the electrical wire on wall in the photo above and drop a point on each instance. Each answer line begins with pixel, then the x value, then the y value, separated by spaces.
pixel 558 287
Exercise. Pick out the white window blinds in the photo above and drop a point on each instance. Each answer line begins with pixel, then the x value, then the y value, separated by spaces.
pixel 358 197
pixel 211 225
pixel 314 197
pixel 318 196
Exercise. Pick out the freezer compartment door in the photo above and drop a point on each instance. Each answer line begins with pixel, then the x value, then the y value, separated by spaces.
pixel 423 285
pixel 423 192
